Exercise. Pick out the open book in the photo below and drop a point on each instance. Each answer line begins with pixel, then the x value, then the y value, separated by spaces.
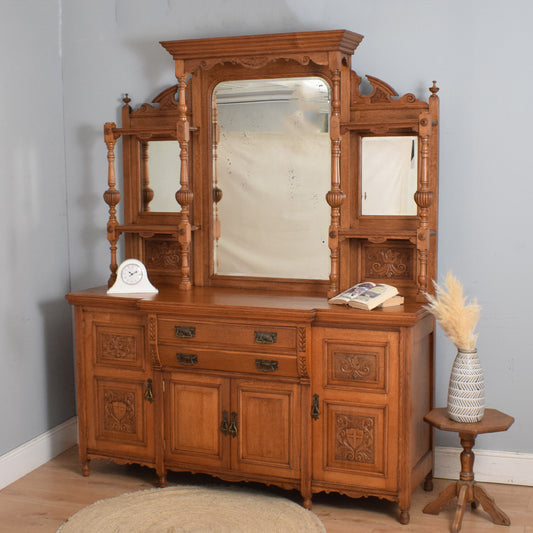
pixel 367 295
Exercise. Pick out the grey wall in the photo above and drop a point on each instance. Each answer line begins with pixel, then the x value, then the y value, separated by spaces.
pixel 478 53
pixel 36 362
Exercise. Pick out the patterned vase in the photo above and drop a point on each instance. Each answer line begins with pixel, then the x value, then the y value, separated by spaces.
pixel 466 391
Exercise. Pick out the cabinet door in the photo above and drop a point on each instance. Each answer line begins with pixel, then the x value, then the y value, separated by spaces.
pixel 116 407
pixel 355 436
pixel 120 421
pixel 267 416
pixel 195 408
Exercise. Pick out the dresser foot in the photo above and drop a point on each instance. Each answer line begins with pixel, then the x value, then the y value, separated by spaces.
pixel 85 468
pixel 404 517
pixel 428 482
pixel 162 481
pixel 307 503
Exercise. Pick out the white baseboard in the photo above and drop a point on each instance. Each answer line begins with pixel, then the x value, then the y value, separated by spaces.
pixel 34 453
pixel 489 466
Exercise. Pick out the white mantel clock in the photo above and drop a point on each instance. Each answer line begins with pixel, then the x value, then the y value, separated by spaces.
pixel 132 278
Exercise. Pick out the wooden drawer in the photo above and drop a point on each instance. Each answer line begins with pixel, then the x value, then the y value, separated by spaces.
pixel 256 337
pixel 117 341
pixel 250 363
pixel 365 361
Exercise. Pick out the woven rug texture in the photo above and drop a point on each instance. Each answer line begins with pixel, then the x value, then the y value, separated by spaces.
pixel 193 509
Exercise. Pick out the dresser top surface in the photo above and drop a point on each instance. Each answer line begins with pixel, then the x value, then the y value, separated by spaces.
pixel 254 302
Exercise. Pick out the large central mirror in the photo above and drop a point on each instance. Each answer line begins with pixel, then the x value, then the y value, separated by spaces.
pixel 271 172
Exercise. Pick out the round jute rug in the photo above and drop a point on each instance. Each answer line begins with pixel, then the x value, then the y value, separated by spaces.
pixel 192 509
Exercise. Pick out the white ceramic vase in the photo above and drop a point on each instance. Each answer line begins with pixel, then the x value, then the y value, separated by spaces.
pixel 466 391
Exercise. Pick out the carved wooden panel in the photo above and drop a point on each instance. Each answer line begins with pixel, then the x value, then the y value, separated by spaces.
pixel 389 261
pixel 120 411
pixel 162 254
pixel 356 437
pixel 362 365
pixel 120 346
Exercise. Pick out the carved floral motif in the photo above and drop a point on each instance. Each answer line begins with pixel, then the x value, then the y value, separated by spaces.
pixel 119 411
pixel 388 263
pixel 162 254
pixel 354 438
pixel 355 367
pixel 115 346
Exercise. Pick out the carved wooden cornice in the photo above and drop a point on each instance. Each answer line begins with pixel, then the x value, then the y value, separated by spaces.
pixel 256 51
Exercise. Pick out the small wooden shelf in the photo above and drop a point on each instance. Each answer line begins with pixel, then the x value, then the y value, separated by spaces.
pixel 378 236
pixel 148 230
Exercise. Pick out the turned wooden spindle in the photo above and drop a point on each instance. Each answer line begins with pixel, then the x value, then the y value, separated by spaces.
pixel 424 200
pixel 111 198
pixel 335 196
pixel 184 196
pixel 217 192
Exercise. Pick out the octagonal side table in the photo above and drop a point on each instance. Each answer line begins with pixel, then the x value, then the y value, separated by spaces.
pixel 466 489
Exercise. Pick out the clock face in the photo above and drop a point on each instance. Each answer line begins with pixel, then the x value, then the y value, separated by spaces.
pixel 131 274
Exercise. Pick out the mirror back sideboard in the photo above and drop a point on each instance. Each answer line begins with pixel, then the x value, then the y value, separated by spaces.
pixel 247 372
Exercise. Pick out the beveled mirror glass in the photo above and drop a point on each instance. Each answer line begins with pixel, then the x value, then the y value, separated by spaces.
pixel 272 164
pixel 389 175
pixel 160 175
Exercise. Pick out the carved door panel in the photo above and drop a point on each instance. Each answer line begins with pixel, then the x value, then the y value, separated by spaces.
pixel 116 402
pixel 267 416
pixel 122 418
pixel 355 434
pixel 196 409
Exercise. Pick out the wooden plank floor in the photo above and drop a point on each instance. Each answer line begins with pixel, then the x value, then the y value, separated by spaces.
pixel 42 500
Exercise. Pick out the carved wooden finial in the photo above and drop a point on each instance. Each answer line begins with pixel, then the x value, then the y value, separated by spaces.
pixel 127 99
pixel 434 89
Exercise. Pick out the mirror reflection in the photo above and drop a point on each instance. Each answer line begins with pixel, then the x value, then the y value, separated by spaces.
pixel 389 175
pixel 160 176
pixel 272 170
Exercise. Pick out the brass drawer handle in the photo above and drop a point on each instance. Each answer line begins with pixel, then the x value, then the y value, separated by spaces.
pixel 149 393
pixel 224 426
pixel 265 337
pixel 232 430
pixel 265 365
pixel 315 407
pixel 187 359
pixel 185 332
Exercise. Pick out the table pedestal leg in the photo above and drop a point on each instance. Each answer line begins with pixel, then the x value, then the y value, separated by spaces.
pixel 497 515
pixel 467 491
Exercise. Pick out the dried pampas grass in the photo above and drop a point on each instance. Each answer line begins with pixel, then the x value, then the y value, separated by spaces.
pixel 457 318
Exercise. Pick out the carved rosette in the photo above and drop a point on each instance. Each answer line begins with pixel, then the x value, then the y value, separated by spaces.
pixel 355 439
pixel 120 347
pixel 119 411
